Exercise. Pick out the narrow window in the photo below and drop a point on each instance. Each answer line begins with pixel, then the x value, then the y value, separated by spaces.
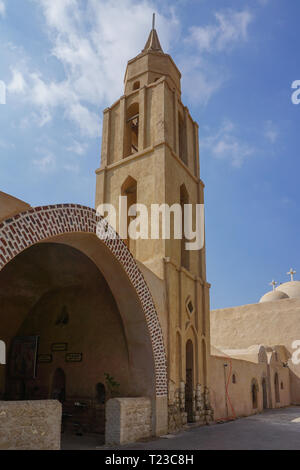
pixel 129 189
pixel 184 199
pixel 132 130
pixel 136 85
pixel 182 138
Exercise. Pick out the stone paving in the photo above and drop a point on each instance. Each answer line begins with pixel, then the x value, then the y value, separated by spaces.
pixel 271 430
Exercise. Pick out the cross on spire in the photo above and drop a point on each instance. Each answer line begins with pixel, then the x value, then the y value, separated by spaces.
pixel 291 273
pixel 153 43
pixel 274 284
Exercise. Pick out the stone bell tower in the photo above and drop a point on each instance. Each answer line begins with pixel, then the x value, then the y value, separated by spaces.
pixel 150 153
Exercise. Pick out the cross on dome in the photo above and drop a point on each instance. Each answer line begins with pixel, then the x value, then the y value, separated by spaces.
pixel 291 273
pixel 274 284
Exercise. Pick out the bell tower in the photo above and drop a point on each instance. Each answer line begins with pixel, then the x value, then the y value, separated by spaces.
pixel 150 153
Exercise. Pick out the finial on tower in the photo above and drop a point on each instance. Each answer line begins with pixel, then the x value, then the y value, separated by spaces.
pixel 153 43
pixel 274 284
pixel 291 273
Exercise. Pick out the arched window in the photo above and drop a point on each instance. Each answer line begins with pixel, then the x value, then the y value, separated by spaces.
pixel 101 393
pixel 136 85
pixel 182 138
pixel 129 190
pixel 184 199
pixel 276 386
pixel 254 393
pixel 132 130
pixel 233 378
pixel 281 386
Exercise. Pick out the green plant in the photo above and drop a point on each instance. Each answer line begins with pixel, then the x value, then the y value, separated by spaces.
pixel 112 386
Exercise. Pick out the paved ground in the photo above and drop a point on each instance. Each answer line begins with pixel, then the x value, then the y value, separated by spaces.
pixel 274 429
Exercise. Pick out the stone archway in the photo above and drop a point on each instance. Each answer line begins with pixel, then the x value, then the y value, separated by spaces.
pixel 46 223
pixel 81 228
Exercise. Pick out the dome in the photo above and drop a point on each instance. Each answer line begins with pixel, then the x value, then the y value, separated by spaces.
pixel 291 289
pixel 275 295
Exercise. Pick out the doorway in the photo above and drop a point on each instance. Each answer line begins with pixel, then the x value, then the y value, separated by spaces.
pixel 58 391
pixel 265 393
pixel 189 381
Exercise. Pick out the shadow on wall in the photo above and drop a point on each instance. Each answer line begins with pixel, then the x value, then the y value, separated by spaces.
pixel 295 387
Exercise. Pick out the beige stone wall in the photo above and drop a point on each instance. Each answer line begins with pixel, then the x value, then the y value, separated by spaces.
pixel 240 392
pixel 10 206
pixel 30 425
pixel 270 323
pixel 127 420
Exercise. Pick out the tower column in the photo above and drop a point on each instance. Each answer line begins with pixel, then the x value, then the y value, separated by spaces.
pixel 105 160
pixel 176 124
pixel 122 126
pixel 143 118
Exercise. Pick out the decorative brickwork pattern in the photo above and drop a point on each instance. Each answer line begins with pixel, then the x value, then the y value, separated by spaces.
pixel 42 223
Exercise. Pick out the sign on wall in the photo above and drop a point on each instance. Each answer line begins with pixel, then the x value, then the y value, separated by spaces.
pixel 74 357
pixel 59 347
pixel 44 358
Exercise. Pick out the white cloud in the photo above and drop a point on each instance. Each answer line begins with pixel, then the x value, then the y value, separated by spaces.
pixel 77 147
pixel 46 163
pixel 270 132
pixel 225 145
pixel 2 8
pixel 231 28
pixel 200 80
pixel 92 41
pixel 18 83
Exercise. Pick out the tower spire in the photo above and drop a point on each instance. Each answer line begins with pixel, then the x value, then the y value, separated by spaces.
pixel 153 43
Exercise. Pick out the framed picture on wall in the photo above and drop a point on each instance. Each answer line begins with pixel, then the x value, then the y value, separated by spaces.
pixel 23 357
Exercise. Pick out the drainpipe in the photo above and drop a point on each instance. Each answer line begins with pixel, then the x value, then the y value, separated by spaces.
pixel 225 385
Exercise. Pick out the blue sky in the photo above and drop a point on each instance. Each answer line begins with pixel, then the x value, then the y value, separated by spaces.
pixel 63 62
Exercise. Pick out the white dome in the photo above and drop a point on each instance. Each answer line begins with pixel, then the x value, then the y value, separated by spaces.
pixel 291 289
pixel 274 295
